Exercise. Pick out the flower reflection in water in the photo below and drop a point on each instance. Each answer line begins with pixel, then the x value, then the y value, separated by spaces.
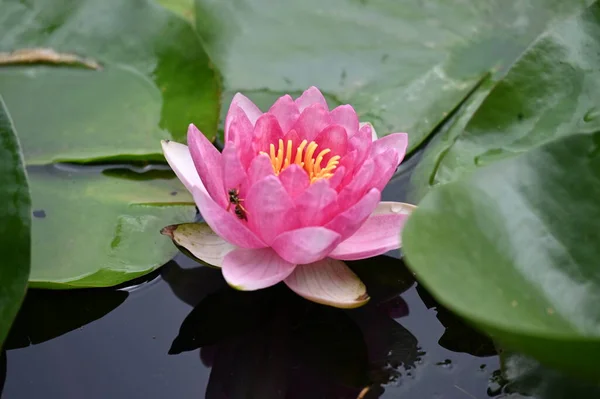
pixel 272 344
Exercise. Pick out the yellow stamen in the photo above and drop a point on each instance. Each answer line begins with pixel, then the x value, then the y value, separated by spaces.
pixel 288 157
pixel 280 155
pixel 281 158
pixel 298 160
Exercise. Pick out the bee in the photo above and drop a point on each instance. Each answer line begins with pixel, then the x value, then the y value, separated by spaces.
pixel 236 201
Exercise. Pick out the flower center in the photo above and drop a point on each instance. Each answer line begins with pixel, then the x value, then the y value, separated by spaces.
pixel 304 156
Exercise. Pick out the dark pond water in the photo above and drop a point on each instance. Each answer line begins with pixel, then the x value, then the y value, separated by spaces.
pixel 182 333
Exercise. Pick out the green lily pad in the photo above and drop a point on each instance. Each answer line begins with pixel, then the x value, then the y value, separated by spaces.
pixel 428 173
pixel 513 248
pixel 131 116
pixel 553 90
pixel 98 229
pixel 122 76
pixel 152 69
pixel 15 224
pixel 403 65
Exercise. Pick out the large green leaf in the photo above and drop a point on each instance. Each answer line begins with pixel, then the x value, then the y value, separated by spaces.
pixel 514 248
pixel 97 229
pixel 553 90
pixel 404 65
pixel 155 79
pixel 15 224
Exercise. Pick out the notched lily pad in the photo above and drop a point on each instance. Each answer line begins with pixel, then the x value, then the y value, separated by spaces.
pixel 551 91
pixel 404 65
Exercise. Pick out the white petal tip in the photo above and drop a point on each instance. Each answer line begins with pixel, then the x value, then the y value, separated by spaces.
pixel 199 241
pixel 328 282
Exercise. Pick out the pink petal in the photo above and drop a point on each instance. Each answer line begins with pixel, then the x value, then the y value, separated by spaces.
pixel 209 163
pixel 266 132
pixel 386 164
pixel 253 269
pixel 369 126
pixel 234 173
pixel 292 135
pixel 260 167
pixel 241 105
pixel 241 133
pixel 358 186
pixel 310 96
pixel 328 282
pixel 306 245
pixel 312 121
pixel 338 176
pixel 348 163
pixel 362 143
pixel 316 204
pixel 397 141
pixel 349 221
pixel 294 179
pixel 333 137
pixel 224 223
pixel 270 209
pixel 179 159
pixel 286 111
pixel 380 233
pixel 345 116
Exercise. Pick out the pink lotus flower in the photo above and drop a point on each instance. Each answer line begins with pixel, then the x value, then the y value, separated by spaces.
pixel 295 191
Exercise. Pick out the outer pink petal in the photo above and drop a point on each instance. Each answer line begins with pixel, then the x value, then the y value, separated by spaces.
pixel 270 209
pixel 294 179
pixel 349 221
pixel 179 158
pixel 397 141
pixel 316 204
pixel 224 223
pixel 329 282
pixel 241 105
pixel 312 121
pixel 380 233
pixel 260 167
pixel 386 164
pixel 333 137
pixel 345 116
pixel 286 111
pixel 266 131
pixel 234 173
pixel 310 96
pixel 253 269
pixel 209 164
pixel 241 132
pixel 306 245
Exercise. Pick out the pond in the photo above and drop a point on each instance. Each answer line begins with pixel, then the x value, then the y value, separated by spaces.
pixel 181 332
